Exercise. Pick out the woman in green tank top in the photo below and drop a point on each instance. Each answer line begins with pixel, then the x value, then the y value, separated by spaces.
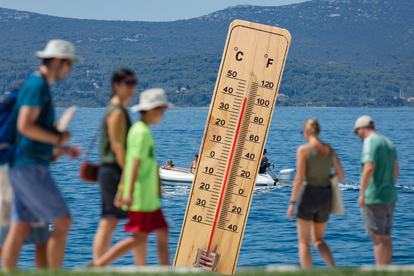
pixel 115 126
pixel 313 190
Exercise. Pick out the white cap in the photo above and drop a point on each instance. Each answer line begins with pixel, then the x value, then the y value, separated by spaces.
pixel 150 99
pixel 57 48
pixel 362 121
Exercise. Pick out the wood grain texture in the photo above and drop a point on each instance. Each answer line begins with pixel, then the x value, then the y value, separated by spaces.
pixel 236 130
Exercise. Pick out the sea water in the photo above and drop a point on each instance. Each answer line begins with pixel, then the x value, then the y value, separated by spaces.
pixel 269 238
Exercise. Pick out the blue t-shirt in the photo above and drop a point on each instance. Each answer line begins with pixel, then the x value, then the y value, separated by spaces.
pixel 35 93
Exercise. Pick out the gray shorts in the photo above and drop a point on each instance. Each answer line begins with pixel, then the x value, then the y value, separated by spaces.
pixel 36 196
pixel 378 218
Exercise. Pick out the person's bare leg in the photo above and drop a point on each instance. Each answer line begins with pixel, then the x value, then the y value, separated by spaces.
pixel 121 248
pixel 103 236
pixel 382 249
pixel 304 227
pixel 40 255
pixel 389 250
pixel 57 242
pixel 163 252
pixel 323 249
pixel 140 250
pixel 13 243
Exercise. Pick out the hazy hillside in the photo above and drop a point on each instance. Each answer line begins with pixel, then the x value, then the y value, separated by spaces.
pixel 189 81
pixel 359 33
pixel 343 53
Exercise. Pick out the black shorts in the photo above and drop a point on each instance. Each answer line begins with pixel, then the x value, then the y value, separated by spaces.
pixel 108 178
pixel 315 203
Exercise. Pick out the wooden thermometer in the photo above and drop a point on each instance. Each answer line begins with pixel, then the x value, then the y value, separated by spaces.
pixel 234 139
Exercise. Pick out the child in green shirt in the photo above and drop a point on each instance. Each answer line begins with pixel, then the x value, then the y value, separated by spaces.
pixel 141 188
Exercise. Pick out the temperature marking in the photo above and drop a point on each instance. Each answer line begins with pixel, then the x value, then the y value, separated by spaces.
pixel 226 176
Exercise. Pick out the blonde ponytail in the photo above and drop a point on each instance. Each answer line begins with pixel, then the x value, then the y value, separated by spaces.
pixel 312 126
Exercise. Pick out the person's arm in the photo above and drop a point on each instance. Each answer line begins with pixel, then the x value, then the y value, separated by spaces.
pixel 134 176
pixel 338 168
pixel 191 166
pixel 71 151
pixel 116 132
pixel 301 156
pixel 159 185
pixel 118 197
pixel 267 162
pixel 367 173
pixel 396 170
pixel 27 126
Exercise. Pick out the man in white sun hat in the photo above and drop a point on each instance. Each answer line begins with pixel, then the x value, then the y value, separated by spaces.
pixel 378 193
pixel 141 189
pixel 36 196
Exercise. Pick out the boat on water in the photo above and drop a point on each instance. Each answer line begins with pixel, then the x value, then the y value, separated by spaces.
pixel 182 177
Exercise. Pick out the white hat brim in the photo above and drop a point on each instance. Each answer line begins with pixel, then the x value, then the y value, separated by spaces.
pixel 43 55
pixel 145 107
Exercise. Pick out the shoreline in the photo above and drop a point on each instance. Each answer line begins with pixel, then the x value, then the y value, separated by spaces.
pixel 319 107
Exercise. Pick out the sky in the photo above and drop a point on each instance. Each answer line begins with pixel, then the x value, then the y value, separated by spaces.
pixel 133 10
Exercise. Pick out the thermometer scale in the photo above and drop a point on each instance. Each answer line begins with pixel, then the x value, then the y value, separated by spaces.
pixel 233 142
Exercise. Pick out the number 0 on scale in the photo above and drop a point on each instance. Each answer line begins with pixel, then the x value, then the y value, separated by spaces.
pixel 233 142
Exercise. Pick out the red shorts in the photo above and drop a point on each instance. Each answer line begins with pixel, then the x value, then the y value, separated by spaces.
pixel 145 221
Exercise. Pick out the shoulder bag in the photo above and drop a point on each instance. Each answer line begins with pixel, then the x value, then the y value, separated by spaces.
pixel 89 171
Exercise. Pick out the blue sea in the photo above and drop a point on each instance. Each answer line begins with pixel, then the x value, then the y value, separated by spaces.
pixel 270 238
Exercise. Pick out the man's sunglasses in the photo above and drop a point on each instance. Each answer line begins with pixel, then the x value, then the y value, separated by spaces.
pixel 129 82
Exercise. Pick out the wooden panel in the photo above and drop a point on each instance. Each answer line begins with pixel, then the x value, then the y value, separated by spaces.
pixel 237 125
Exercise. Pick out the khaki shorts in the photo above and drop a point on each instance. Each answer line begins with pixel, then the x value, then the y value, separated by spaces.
pixel 378 218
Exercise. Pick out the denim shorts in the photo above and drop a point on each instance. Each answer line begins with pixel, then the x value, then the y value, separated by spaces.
pixel 38 234
pixel 378 218
pixel 36 196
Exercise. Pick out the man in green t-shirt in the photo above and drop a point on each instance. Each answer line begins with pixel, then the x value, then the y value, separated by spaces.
pixel 141 188
pixel 378 193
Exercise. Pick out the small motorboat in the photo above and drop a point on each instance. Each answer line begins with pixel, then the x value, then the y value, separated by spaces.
pixel 176 177
pixel 182 177
pixel 286 176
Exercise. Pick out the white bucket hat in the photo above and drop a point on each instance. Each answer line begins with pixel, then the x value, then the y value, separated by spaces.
pixel 362 121
pixel 150 99
pixel 57 48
